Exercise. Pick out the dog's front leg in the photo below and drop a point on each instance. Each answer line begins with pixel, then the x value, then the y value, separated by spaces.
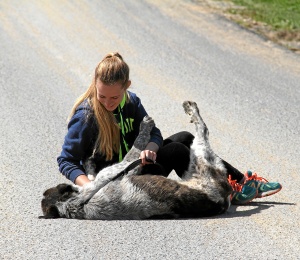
pixel 108 174
pixel 76 188
pixel 142 140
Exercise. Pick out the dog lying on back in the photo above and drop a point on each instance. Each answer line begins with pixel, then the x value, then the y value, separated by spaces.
pixel 204 189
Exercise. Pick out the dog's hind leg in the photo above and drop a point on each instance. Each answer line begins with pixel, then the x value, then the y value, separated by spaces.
pixel 192 110
pixel 205 166
pixel 201 146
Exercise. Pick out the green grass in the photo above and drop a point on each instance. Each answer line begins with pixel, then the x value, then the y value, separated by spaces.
pixel 279 14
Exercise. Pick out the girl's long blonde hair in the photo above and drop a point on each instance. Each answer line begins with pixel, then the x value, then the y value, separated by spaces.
pixel 110 70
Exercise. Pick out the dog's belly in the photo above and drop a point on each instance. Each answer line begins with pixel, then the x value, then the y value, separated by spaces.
pixel 122 199
pixel 141 197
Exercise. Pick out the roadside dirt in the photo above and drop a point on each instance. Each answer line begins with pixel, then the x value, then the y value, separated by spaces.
pixel 288 39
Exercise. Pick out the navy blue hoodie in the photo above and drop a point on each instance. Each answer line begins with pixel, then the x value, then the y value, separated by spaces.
pixel 82 134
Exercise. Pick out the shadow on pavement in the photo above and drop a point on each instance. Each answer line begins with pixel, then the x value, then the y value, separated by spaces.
pixel 251 209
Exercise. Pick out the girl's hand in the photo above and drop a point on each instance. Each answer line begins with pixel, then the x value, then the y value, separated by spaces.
pixel 148 154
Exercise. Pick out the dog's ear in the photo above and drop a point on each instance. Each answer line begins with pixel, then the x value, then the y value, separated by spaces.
pixel 51 212
pixel 49 191
pixel 63 188
pixel 60 188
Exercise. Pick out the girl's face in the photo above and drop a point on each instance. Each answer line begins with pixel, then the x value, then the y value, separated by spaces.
pixel 110 96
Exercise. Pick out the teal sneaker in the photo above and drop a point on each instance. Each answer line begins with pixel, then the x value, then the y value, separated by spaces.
pixel 264 188
pixel 241 194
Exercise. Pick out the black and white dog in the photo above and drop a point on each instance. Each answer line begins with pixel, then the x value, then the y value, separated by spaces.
pixel 204 189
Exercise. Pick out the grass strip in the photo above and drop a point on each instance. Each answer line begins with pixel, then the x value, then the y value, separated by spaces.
pixel 279 14
pixel 277 20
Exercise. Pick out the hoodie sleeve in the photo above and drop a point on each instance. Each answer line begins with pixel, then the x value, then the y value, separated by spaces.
pixel 76 146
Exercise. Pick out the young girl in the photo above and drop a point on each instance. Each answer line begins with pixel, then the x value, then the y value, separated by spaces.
pixel 104 122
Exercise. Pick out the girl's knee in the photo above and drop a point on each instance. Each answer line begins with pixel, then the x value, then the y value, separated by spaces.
pixel 183 137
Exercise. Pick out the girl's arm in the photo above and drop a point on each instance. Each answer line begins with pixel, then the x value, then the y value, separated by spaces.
pixel 81 180
pixel 76 146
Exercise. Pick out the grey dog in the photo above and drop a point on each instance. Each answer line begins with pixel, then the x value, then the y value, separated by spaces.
pixel 204 189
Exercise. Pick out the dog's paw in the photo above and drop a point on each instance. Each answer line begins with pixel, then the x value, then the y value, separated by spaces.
pixel 76 188
pixel 147 124
pixel 191 109
pixel 91 177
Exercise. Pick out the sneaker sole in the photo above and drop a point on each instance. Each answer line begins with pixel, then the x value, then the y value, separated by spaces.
pixel 243 203
pixel 266 194
pixel 238 202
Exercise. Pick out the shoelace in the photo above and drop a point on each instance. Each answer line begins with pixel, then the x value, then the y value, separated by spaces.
pixel 255 177
pixel 235 185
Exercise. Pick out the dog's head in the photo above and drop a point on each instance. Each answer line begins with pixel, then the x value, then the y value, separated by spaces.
pixel 53 196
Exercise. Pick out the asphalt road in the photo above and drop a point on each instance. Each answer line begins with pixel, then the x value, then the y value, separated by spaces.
pixel 247 88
